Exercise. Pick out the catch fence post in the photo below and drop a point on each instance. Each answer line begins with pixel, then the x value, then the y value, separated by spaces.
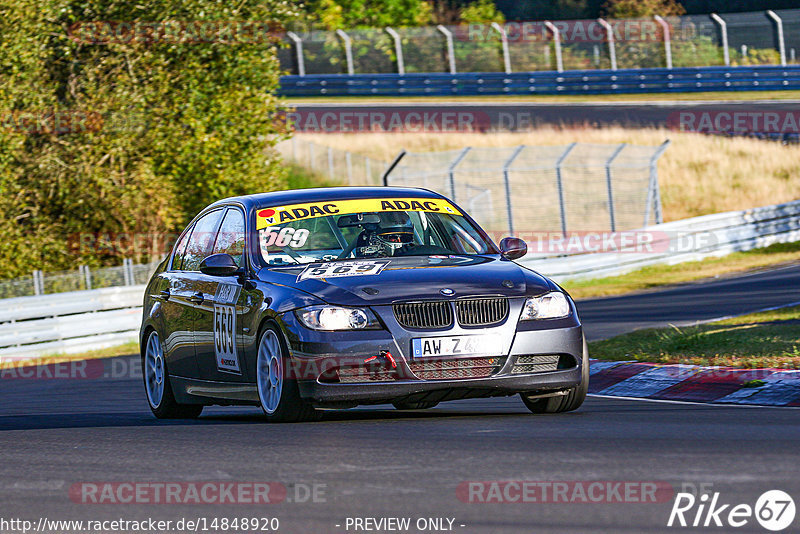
pixel 451 172
pixel 781 44
pixel 653 193
pixel 507 183
pixel 504 44
pixel 723 30
pixel 667 40
pixel 298 46
pixel 557 39
pixel 398 50
pixel 560 187
pixel 612 47
pixel 609 187
pixel 451 56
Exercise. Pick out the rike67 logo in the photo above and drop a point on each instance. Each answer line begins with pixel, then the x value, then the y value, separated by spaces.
pixel 774 510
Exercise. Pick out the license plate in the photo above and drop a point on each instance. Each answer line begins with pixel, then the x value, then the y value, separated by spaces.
pixel 431 347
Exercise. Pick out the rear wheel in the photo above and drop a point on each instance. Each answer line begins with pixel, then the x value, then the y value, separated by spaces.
pixel 278 393
pixel 563 403
pixel 157 386
pixel 414 405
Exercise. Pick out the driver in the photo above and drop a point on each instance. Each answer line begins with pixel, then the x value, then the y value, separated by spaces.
pixel 394 232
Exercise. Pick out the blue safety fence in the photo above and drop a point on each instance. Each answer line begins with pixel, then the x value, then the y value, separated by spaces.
pixel 653 80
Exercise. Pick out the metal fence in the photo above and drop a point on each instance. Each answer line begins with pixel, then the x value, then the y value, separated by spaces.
pixel 526 188
pixel 735 39
pixel 576 187
pixel 83 278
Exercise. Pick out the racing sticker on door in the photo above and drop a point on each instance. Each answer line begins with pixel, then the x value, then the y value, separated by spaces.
pixel 225 328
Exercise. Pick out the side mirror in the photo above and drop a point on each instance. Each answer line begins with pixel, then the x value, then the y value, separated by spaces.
pixel 513 248
pixel 219 265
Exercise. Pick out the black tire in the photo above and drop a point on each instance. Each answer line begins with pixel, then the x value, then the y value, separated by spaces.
pixel 290 408
pixel 424 405
pixel 165 407
pixel 563 403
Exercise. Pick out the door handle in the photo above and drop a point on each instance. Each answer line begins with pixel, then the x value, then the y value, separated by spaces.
pixel 197 298
pixel 164 294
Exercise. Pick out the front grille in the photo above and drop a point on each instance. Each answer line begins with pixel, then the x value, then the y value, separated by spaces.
pixel 482 312
pixel 456 369
pixel 535 364
pixel 352 375
pixel 433 314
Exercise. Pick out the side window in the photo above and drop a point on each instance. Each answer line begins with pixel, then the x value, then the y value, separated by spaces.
pixel 180 250
pixel 201 241
pixel 230 238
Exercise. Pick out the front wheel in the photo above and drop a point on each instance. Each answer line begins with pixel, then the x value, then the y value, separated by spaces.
pixel 278 393
pixel 157 386
pixel 563 403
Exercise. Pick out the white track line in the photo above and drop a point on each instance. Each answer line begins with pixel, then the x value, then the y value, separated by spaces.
pixel 668 401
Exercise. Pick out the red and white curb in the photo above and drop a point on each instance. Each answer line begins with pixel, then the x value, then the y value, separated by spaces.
pixel 695 383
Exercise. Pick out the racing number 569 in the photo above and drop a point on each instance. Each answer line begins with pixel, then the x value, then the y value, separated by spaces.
pixel 223 329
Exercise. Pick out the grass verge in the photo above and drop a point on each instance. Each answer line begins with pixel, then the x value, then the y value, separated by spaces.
pixel 661 275
pixel 765 339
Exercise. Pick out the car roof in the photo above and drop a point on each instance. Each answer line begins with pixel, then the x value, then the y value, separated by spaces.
pixel 323 194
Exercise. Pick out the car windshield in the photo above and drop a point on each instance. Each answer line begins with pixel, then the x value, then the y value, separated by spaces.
pixel 366 228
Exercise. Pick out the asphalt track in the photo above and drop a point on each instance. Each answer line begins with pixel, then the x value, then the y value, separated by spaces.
pixel 378 462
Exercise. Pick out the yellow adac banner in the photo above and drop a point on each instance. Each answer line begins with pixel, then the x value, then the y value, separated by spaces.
pixel 278 215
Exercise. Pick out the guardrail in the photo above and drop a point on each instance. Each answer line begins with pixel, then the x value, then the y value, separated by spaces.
pixel 654 80
pixel 679 241
pixel 75 321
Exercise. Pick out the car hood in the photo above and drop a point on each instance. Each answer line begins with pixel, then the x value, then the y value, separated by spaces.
pixel 417 278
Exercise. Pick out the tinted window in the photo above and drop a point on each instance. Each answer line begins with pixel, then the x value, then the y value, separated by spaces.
pixel 230 238
pixel 180 249
pixel 201 241
pixel 380 234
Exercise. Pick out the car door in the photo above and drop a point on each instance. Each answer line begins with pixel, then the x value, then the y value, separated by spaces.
pixel 173 290
pixel 218 328
pixel 194 291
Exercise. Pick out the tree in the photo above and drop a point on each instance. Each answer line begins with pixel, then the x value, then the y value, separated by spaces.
pixel 630 9
pixel 157 125
pixel 344 14
pixel 483 11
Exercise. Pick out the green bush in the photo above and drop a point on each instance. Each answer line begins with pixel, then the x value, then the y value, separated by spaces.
pixel 172 125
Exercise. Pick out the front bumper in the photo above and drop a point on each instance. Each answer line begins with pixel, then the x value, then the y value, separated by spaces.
pixel 326 350
pixel 438 390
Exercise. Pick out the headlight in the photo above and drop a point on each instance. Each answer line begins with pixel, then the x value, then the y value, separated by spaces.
pixel 548 306
pixel 336 318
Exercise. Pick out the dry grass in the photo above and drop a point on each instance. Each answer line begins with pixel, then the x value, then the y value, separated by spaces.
pixel 699 174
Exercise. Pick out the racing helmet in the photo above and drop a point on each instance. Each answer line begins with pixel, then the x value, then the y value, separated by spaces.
pixel 394 231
